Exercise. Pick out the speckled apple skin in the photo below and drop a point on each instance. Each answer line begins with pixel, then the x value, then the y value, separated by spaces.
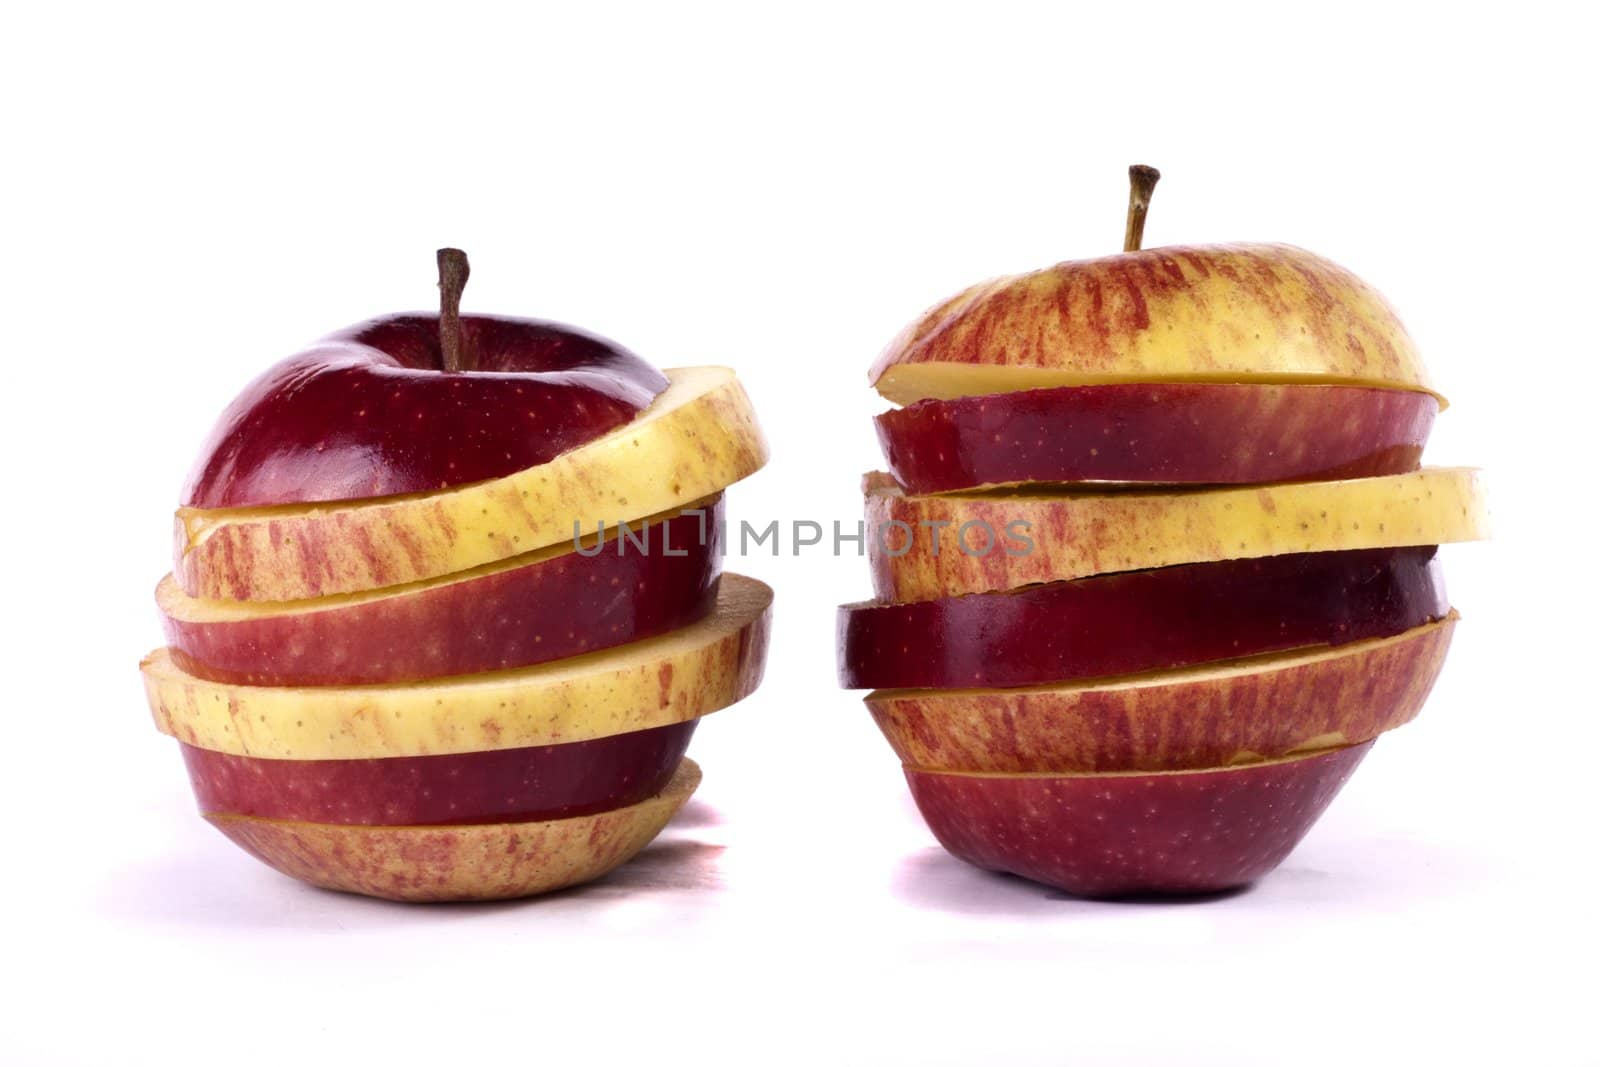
pixel 1219 311
pixel 1075 535
pixel 1119 835
pixel 1141 621
pixel 492 622
pixel 699 437
pixel 495 861
pixel 1181 720
pixel 370 412
pixel 1174 433
pixel 503 785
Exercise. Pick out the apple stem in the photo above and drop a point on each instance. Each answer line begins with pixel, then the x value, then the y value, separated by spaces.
pixel 1142 183
pixel 453 273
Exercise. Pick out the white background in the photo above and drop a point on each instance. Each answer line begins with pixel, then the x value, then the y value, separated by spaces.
pixel 194 192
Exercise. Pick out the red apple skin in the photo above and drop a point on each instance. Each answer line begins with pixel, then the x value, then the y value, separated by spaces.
pixel 506 785
pixel 1140 621
pixel 370 412
pixel 563 606
pixel 1188 433
pixel 1124 835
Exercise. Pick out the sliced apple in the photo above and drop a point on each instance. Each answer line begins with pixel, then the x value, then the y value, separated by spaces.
pixel 495 861
pixel 925 547
pixel 1142 621
pixel 1240 712
pixel 698 437
pixel 660 577
pixel 1207 313
pixel 1158 433
pixel 1103 835
pixel 501 785
pixel 678 676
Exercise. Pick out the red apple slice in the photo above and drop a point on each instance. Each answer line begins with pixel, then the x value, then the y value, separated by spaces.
pixel 1104 835
pixel 544 606
pixel 1212 716
pixel 1169 433
pixel 370 411
pixel 503 785
pixel 494 861
pixel 1141 621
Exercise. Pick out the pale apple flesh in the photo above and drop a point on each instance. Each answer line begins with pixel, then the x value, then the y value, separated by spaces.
pixel 930 546
pixel 672 678
pixel 494 861
pixel 1214 313
pixel 697 438
pixel 1112 835
pixel 501 785
pixel 1262 708
pixel 1140 621
pixel 547 605
pixel 1158 433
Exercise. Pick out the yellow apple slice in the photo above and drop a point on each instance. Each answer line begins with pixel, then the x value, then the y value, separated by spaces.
pixel 698 437
pixel 1036 536
pixel 672 678
pixel 1224 313
pixel 1265 707
pixel 492 861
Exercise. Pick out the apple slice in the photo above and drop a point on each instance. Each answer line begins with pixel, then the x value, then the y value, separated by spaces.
pixel 924 547
pixel 494 861
pixel 676 677
pixel 1106 835
pixel 1256 313
pixel 501 785
pixel 1141 621
pixel 698 437
pixel 1159 433
pixel 660 577
pixel 1212 716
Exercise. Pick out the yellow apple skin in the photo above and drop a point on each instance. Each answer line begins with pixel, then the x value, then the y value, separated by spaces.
pixel 1075 535
pixel 441 863
pixel 678 676
pixel 1235 313
pixel 698 437
pixel 1213 716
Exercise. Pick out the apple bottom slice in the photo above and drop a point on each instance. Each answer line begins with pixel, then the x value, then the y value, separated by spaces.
pixel 1167 433
pixel 1108 835
pixel 494 861
pixel 504 785
pixel 1211 716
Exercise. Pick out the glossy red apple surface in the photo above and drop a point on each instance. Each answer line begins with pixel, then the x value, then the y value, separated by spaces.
pixel 663 577
pixel 504 785
pixel 370 411
pixel 1108 835
pixel 1140 621
pixel 1159 433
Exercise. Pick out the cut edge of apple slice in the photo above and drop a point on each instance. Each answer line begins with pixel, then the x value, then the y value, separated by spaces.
pixel 174 603
pixel 1294 757
pixel 904 384
pixel 681 675
pixel 488 861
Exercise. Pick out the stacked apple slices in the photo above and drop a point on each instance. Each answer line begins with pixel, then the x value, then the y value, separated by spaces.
pixel 1156 563
pixel 478 690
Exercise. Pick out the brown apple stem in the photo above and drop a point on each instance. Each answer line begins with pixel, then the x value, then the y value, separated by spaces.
pixel 1142 183
pixel 453 273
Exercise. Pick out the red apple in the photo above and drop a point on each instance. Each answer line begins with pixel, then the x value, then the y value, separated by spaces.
pixel 504 785
pixel 1140 621
pixel 371 412
pixel 1160 433
pixel 1106 835
pixel 1265 707
pixel 531 609
pixel 486 861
